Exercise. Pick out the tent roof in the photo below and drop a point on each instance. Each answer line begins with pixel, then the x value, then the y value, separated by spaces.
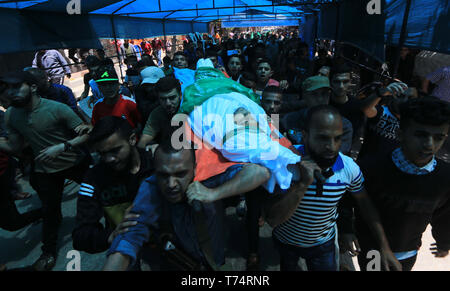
pixel 189 10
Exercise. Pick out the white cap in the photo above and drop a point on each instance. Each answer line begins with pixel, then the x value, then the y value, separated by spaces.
pixel 151 75
pixel 202 63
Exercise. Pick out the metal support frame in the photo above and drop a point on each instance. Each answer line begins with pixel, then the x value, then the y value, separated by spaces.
pixel 402 38
pixel 115 44
pixel 164 33
pixel 336 36
pixel 123 6
pixel 229 7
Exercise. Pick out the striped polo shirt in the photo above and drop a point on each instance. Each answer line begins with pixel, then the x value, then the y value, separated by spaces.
pixel 313 222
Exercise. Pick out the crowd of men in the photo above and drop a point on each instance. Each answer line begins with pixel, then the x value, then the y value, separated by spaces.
pixel 381 180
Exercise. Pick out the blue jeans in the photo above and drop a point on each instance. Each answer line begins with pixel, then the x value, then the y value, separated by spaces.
pixel 318 258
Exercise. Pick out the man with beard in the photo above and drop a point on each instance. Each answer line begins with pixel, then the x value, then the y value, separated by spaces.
pixel 113 103
pixel 109 187
pixel 56 92
pixel 164 205
pixel 158 126
pixel 307 228
pixel 316 91
pixel 49 127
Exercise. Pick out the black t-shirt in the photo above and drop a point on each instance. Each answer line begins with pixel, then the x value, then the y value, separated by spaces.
pixel 112 187
pixel 381 135
pixel 106 193
pixel 352 111
pixel 406 204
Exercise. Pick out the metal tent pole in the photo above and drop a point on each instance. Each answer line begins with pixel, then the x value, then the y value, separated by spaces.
pixel 402 38
pixel 115 44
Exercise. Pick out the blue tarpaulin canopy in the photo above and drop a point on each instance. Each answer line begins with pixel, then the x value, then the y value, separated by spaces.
pixel 29 25
pixel 427 26
pixel 47 24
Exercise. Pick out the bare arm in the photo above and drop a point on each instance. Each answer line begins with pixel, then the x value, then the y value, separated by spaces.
pixel 145 140
pixel 117 262
pixel 370 215
pixel 250 177
pixel 281 210
pixel 52 152
pixel 368 105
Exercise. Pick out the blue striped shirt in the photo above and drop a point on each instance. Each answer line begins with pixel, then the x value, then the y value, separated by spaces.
pixel 313 222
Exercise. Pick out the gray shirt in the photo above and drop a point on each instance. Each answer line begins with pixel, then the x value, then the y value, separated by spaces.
pixel 49 60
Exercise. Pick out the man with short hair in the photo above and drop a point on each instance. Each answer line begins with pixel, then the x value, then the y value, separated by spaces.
pixel 109 187
pixel 409 186
pixel 158 126
pixel 56 92
pixel 316 91
pixel 146 97
pixel 163 203
pixel 271 100
pixel 180 60
pixel 264 73
pixel 306 226
pixel 49 127
pixel 113 103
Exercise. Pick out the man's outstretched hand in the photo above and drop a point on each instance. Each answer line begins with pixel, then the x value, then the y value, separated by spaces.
pixel 437 252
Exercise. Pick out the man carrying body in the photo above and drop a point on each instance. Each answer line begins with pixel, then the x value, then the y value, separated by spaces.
pixel 305 226
pixel 163 200
pixel 316 91
pixel 158 126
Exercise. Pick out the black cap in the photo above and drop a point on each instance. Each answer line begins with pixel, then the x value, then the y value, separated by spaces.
pixel 106 74
pixel 18 77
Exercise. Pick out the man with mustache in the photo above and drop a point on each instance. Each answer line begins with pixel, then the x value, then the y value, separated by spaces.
pixel 306 227
pixel 158 126
pixel 50 128
pixel 163 204
pixel 316 91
